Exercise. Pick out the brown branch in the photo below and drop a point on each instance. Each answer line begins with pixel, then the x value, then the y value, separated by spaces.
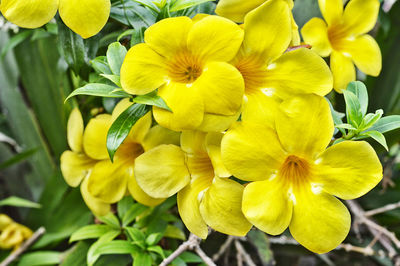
pixel 24 247
pixel 223 248
pixel 386 208
pixel 242 252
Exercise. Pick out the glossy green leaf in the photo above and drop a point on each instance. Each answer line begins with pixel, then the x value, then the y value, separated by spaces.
pixel 100 64
pixel 153 239
pixel 376 135
pixel 121 127
pixel 134 211
pixel 370 119
pixel 115 56
pixel 353 109
pixel 111 220
pixel 115 247
pixel 345 126
pixel 386 124
pixel 142 259
pixel 93 254
pixel 136 235
pixel 113 78
pixel 359 89
pixel 91 231
pixel 19 202
pixel 98 89
pixel 190 257
pixel 152 99
pixel 157 249
pixel 40 258
pixel 174 232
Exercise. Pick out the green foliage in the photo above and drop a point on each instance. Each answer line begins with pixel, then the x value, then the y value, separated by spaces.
pixel 18 202
pixel 40 258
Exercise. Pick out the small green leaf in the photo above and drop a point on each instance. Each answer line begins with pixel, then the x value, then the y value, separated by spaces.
pixel 153 239
pixel 40 258
pixel 138 36
pixel 126 33
pixel 121 127
pixel 174 232
pixel 14 41
pixel 18 158
pixel 142 259
pixel 260 241
pixel 353 108
pixel 370 119
pixel 91 231
pixel 98 89
pixel 92 256
pixel 123 206
pixel 134 211
pixel 346 126
pixel 19 202
pixel 157 249
pixel 152 99
pixel 114 247
pixel 115 57
pixel 386 124
pixel 359 89
pixel 189 257
pixel 101 66
pixel 111 220
pixel 113 78
pixel 183 4
pixel 376 135
pixel 136 235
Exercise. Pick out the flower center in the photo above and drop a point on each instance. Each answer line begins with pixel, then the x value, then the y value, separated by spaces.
pixel 337 35
pixel 129 150
pixel 295 171
pixel 253 73
pixel 184 68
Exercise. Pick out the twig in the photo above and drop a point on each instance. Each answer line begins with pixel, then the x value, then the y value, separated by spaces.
pixel 386 208
pixel 207 260
pixel 223 248
pixel 24 247
pixel 240 249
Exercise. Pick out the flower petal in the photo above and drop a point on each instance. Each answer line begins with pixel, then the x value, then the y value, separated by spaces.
pixel 97 206
pixel 343 71
pixel 221 207
pixel 29 13
pixel 267 206
pixel 331 10
pixel 261 109
pixel 251 151
pixel 139 195
pixel 143 70
pixel 268 31
pixel 186 104
pixel 95 137
pixel 108 181
pixel 222 88
pixel 75 167
pixel 213 146
pixel 193 142
pixel 161 172
pixel 320 222
pixel 349 169
pixel 305 125
pixel 299 72
pixel 236 9
pixel 158 135
pixel 366 54
pixel 214 38
pixel 188 206
pixel 86 17
pixel 360 16
pixel 75 130
pixel 315 33
pixel 218 123
pixel 169 36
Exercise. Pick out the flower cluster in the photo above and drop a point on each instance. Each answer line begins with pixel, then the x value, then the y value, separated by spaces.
pixel 246 101
pixel 12 234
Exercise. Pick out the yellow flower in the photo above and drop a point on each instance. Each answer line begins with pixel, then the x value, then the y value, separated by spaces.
pixel 12 234
pixel 236 10
pixel 104 182
pixel 294 179
pixel 343 36
pixel 270 73
pixel 205 194
pixel 85 17
pixel 187 61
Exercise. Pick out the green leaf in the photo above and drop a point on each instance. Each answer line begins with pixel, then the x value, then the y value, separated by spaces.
pixel 370 119
pixel 111 220
pixel 113 247
pixel 91 231
pixel 113 78
pixel 121 127
pixel 376 135
pixel 14 41
pixel 18 158
pixel 386 124
pixel 359 89
pixel 157 250
pixel 260 241
pixel 123 206
pixel 98 89
pixel 152 99
pixel 134 211
pixel 115 57
pixel 183 4
pixel 92 254
pixel 40 258
pixel 189 257
pixel 174 232
pixel 346 126
pixel 142 259
pixel 353 108
pixel 153 239
pixel 19 202
pixel 100 64
pixel 77 256
pixel 136 234
pixel 138 36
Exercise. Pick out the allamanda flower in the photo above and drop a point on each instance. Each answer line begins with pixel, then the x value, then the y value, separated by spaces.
pixel 104 182
pixel 206 196
pixel 343 36
pixel 85 17
pixel 236 10
pixel 12 234
pixel 187 61
pixel 294 179
pixel 271 74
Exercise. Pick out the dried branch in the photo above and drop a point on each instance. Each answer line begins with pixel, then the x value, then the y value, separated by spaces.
pixel 223 248
pixel 386 208
pixel 207 260
pixel 242 252
pixel 24 247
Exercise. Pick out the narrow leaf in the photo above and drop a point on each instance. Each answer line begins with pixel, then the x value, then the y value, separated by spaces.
pixel 19 202
pixel 98 89
pixel 40 258
pixel 346 126
pixel 353 108
pixel 113 78
pixel 152 99
pixel 370 119
pixel 14 41
pixel 183 4
pixel 110 219
pixel 115 56
pixel 386 124
pixel 378 136
pixel 91 231
pixel 92 254
pixel 359 89
pixel 18 158
pixel 100 64
pixel 121 127
pixel 153 239
pixel 134 211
